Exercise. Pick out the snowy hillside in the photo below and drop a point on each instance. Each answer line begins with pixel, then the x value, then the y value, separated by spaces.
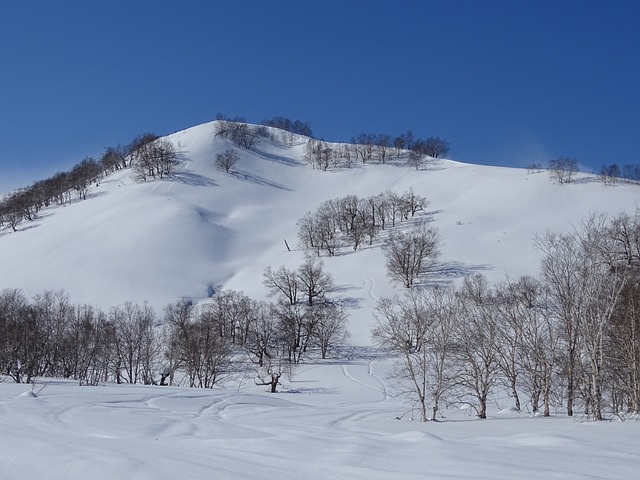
pixel 202 229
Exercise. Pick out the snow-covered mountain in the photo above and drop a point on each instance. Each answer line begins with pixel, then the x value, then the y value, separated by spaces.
pixel 202 229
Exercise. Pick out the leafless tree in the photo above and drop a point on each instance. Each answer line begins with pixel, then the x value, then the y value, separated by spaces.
pixel 329 326
pixel 313 280
pixel 233 314
pixel 20 337
pixel 415 159
pixel 201 351
pixel 264 336
pixel 363 144
pixel 411 253
pixel 382 146
pixel 419 327
pixel 318 154
pixel 239 132
pixel 436 147
pixel 402 329
pixel 476 349
pixel 563 169
pixel 225 161
pixel 610 174
pixel 135 343
pixel 155 159
pixel 283 283
pixel 564 272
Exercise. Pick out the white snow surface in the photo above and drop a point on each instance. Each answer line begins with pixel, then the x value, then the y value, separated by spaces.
pixel 202 230
pixel 331 421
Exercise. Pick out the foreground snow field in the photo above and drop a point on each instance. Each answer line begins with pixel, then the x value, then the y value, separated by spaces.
pixel 202 230
pixel 331 421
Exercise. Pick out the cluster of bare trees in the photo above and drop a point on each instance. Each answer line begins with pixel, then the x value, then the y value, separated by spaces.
pixel 320 155
pixel 154 159
pixel 352 221
pixel 566 339
pixel 306 318
pixel 196 345
pixel 150 156
pixel 612 173
pixel 240 132
pixel 125 156
pixel 296 127
pixel 383 146
pixel 366 148
pixel 26 203
pixel 50 336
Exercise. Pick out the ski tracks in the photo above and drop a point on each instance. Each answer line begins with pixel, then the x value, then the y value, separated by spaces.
pixel 369 284
pixel 381 389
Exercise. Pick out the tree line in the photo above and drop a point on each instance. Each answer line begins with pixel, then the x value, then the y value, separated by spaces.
pixel 568 338
pixel 563 170
pixel 352 221
pixel 365 148
pixel 613 173
pixel 150 156
pixel 188 344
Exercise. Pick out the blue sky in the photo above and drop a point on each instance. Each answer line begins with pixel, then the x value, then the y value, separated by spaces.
pixel 505 82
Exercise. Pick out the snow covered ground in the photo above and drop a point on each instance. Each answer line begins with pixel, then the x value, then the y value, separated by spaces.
pixel 332 421
pixel 202 230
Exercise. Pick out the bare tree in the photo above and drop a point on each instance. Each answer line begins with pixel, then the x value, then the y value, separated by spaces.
pixel 283 283
pixel 382 146
pixel 563 169
pixel 155 159
pixel 226 160
pixel 610 174
pixel 564 273
pixel 411 253
pixel 135 342
pixel 319 154
pixel 314 282
pixel 240 132
pixel 416 159
pixel 436 147
pixel 527 341
pixel 604 283
pixel 200 350
pixel 233 314
pixel 363 144
pixel 476 347
pixel 419 328
pixel 330 326
pixel 403 330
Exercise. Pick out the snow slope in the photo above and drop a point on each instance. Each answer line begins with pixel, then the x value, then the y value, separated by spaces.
pixel 202 230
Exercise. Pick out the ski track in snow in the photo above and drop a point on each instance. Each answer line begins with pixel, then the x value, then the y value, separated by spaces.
pixel 359 382
pixel 368 284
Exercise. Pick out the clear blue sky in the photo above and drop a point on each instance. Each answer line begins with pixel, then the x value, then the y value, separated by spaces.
pixel 506 82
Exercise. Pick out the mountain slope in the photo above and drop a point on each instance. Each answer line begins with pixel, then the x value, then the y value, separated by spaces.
pixel 202 229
